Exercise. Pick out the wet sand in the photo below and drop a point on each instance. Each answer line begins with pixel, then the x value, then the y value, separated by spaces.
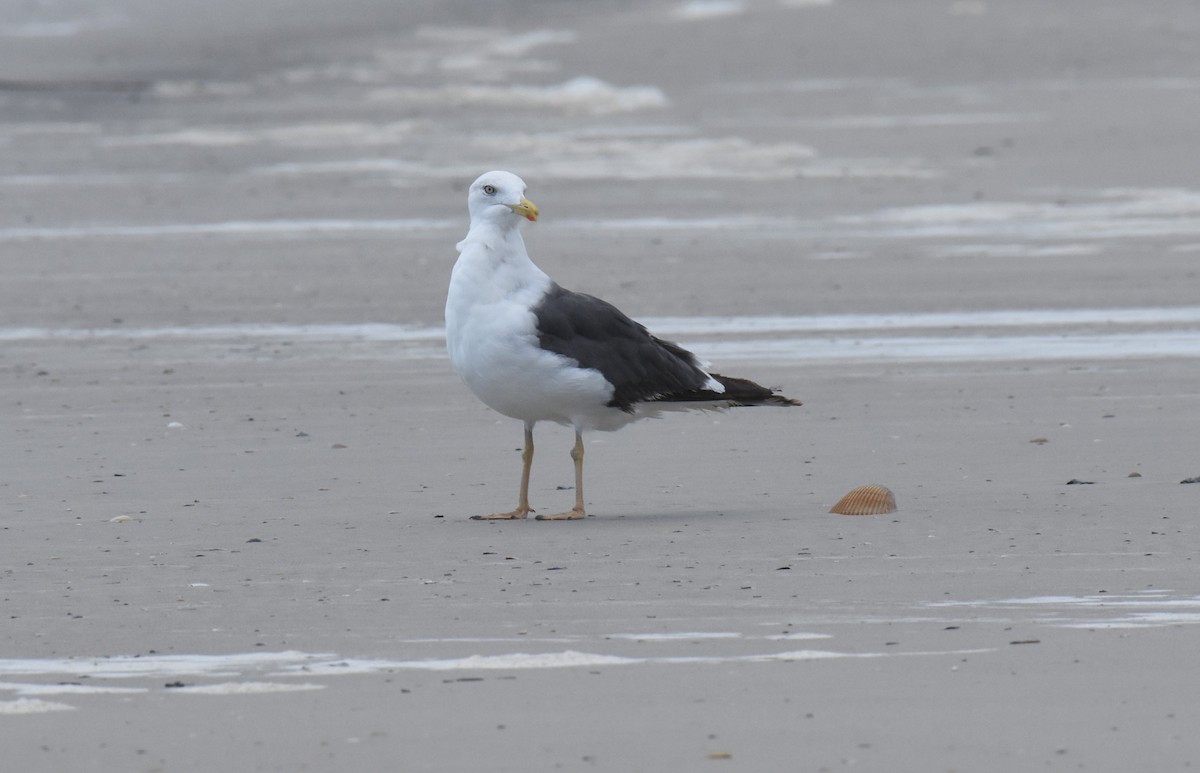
pixel 237 467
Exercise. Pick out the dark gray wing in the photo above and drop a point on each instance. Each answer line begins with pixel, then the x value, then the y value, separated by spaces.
pixel 600 336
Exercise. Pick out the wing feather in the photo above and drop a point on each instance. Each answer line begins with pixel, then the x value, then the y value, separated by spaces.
pixel 598 335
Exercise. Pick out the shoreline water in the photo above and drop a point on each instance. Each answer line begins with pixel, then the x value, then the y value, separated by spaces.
pixel 237 467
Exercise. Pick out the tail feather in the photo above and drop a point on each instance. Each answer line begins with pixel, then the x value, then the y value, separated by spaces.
pixel 738 392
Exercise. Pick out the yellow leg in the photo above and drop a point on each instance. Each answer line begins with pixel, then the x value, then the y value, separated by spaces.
pixel 577 511
pixel 523 508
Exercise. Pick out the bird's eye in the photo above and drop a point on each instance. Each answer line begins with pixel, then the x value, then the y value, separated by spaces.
pixel 489 190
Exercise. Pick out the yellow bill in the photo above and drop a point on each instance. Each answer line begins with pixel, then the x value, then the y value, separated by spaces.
pixel 526 209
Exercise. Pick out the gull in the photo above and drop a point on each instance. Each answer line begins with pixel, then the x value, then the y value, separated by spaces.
pixel 534 351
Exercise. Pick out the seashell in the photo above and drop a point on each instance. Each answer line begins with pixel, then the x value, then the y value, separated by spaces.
pixel 871 499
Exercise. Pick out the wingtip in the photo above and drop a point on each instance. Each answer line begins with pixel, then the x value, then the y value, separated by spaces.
pixel 742 391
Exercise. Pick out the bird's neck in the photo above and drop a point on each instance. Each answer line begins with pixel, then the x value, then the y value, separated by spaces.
pixel 498 239
pixel 495 257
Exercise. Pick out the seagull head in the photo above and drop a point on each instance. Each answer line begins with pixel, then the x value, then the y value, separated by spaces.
pixel 499 196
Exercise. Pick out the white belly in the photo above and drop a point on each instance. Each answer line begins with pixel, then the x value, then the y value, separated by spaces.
pixel 494 348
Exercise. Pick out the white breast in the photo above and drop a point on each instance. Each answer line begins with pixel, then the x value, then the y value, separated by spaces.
pixel 491 335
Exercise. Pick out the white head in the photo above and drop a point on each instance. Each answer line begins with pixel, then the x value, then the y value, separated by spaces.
pixel 499 197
